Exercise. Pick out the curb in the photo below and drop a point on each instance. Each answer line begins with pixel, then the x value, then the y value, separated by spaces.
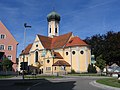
pixel 94 83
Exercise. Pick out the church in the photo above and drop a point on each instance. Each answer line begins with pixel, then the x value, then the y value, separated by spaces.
pixel 56 54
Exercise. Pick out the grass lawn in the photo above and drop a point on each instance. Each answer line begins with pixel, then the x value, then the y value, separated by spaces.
pixel 6 76
pixel 110 82
pixel 43 77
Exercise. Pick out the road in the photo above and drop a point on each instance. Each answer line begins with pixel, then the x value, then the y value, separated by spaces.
pixel 68 83
pixel 71 83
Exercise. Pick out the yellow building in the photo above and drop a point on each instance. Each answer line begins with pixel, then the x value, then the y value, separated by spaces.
pixel 56 53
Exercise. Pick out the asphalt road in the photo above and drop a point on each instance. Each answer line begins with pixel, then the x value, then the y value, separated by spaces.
pixel 68 83
pixel 72 83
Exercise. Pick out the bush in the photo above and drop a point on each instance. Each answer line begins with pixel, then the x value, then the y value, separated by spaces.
pixel 73 71
pixel 118 81
pixel 91 69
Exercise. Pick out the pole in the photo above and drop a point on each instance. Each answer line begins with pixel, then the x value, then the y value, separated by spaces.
pixel 24 53
pixel 25 28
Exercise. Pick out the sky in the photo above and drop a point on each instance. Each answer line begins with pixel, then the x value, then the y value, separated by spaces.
pixel 82 17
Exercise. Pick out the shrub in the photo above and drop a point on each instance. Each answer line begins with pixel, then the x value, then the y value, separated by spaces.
pixel 91 69
pixel 73 71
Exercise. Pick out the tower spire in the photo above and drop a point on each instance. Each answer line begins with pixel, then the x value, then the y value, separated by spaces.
pixel 53 24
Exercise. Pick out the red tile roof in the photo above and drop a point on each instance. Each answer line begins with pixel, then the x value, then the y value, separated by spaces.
pixel 55 42
pixel 75 41
pixel 60 41
pixel 46 41
pixel 27 49
pixel 61 63
pixel 57 55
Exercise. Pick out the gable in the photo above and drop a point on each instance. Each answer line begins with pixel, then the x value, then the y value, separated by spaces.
pixel 5 31
pixel 37 45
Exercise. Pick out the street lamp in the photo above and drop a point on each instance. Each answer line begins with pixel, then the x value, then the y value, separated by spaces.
pixel 25 26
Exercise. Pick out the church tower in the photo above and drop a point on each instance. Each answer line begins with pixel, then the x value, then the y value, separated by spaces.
pixel 53 19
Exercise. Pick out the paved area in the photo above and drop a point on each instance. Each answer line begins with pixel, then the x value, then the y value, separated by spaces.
pixel 67 83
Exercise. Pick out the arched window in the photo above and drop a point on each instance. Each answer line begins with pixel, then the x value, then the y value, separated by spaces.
pixel 50 28
pixel 36 56
pixel 55 30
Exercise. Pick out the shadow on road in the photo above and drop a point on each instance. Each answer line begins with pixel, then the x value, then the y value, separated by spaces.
pixel 55 86
pixel 35 84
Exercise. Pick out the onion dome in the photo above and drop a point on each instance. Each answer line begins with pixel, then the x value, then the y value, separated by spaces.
pixel 53 16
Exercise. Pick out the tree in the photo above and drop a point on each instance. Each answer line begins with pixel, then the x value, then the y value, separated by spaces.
pixel 7 64
pixel 91 69
pixel 107 45
pixel 100 63
pixel 96 42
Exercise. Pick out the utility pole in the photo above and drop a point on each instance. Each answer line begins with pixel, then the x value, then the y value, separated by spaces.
pixel 25 28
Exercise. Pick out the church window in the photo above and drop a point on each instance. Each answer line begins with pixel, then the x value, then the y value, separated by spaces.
pixel 82 52
pixel 55 55
pixel 55 30
pixel 55 68
pixel 48 61
pixel 36 56
pixel 73 52
pixel 48 68
pixel 37 45
pixel 66 53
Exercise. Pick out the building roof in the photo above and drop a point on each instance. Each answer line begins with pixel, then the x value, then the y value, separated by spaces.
pixel 61 63
pixel 75 41
pixel 27 49
pixel 53 16
pixel 57 55
pixel 55 42
pixel 60 41
pixel 46 41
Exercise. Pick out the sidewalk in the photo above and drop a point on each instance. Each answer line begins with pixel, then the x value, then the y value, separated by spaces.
pixel 94 83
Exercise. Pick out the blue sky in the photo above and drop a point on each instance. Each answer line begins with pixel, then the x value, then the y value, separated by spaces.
pixel 82 17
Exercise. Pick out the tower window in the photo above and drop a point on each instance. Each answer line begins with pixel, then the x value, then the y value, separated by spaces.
pixel 50 29
pixel 55 30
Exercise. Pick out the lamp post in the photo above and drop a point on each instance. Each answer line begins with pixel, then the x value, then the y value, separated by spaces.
pixel 25 28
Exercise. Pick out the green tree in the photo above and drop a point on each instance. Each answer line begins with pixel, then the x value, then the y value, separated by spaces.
pixel 111 52
pixel 100 63
pixel 7 64
pixel 91 69
pixel 107 45
pixel 96 42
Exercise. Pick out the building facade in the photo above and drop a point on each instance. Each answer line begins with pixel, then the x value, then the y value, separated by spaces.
pixel 56 53
pixel 8 45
